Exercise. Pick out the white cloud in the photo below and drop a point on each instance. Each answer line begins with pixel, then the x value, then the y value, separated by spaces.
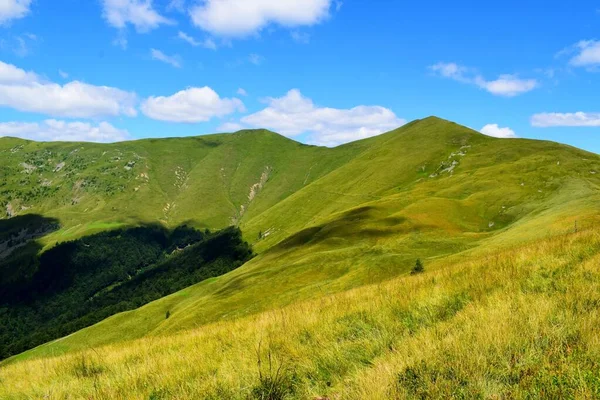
pixel 63 74
pixel 26 91
pixel 230 127
pixel 294 114
pixel 51 130
pixel 139 13
pixel 506 85
pixel 239 18
pixel 206 43
pixel 495 131
pixel 12 74
pixel 184 36
pixel 191 105
pixel 13 9
pixel 160 56
pixel 242 92
pixel 545 120
pixel 588 54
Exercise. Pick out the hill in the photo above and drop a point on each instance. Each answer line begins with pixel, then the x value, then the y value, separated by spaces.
pixel 322 221
pixel 513 323
pixel 209 181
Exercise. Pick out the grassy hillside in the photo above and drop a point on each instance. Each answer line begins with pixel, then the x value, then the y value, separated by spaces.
pixel 516 323
pixel 431 190
pixel 209 181
pixel 507 229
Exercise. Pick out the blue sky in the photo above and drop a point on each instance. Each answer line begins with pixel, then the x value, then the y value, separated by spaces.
pixel 318 71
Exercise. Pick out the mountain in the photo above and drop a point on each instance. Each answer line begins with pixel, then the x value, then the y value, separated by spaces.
pixel 211 181
pixel 322 221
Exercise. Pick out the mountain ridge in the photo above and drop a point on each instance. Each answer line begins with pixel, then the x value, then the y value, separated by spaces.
pixel 325 220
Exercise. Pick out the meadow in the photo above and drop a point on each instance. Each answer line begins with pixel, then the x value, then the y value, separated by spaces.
pixel 507 307
pixel 522 322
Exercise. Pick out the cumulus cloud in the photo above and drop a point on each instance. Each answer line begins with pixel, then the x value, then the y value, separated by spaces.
pixel 26 91
pixel 51 130
pixel 174 61
pixel 12 74
pixel 506 85
pixel 242 92
pixel 495 131
pixel 191 105
pixel 139 13
pixel 13 9
pixel 546 120
pixel 206 43
pixel 239 18
pixel 294 114
pixel 588 54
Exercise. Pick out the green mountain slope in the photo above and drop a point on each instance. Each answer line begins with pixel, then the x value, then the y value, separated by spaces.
pixel 326 220
pixel 210 181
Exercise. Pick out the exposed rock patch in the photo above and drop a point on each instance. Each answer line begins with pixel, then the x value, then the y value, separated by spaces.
pixel 447 167
pixel 28 168
pixel 10 212
pixel 254 191
pixel 59 166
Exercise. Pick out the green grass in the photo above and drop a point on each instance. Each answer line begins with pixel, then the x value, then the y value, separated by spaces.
pixel 325 220
pixel 203 180
pixel 515 323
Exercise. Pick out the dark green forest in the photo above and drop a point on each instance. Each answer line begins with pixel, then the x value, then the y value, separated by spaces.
pixel 76 284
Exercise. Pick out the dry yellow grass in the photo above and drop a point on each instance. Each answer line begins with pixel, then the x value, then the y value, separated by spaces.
pixel 519 323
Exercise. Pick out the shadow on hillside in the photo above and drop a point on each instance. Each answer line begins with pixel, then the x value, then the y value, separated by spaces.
pixel 80 282
pixel 35 224
pixel 360 223
pixel 19 247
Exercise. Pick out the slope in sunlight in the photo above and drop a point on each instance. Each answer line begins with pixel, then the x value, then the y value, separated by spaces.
pixel 210 181
pixel 517 323
pixel 431 190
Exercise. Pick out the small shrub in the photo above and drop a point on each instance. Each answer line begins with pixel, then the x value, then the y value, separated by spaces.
pixel 418 268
